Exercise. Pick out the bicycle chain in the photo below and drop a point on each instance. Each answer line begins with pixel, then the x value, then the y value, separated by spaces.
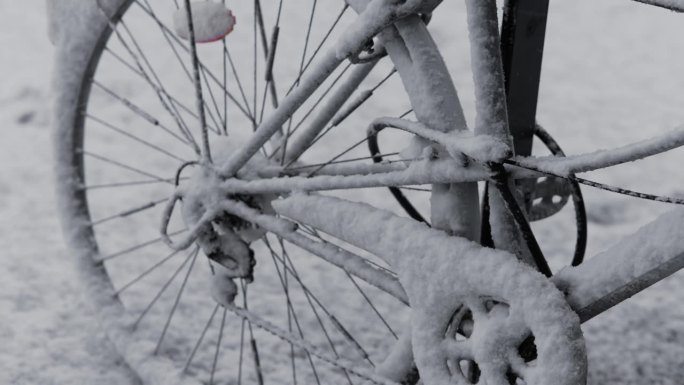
pixel 340 363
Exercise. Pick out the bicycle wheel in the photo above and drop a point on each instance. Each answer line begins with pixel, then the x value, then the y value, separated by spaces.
pixel 127 133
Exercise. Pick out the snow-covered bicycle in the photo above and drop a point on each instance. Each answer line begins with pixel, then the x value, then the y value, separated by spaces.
pixel 248 147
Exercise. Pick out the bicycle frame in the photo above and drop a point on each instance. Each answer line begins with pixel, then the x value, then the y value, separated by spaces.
pixel 613 289
pixel 279 180
pixel 428 171
pixel 398 42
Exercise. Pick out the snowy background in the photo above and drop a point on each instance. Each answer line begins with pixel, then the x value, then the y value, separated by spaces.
pixel 612 74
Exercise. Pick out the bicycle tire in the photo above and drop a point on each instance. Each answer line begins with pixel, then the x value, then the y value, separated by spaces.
pixel 77 66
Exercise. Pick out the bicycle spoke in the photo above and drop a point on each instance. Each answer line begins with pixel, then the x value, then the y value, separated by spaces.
pixel 375 309
pixel 330 315
pixel 214 103
pixel 327 131
pixel 134 137
pixel 273 329
pixel 257 359
pixel 344 114
pixel 140 112
pixel 301 69
pixel 341 154
pixel 288 305
pixel 206 152
pixel 129 212
pixel 353 341
pixel 363 97
pixel 340 117
pixel 176 302
pixel 309 297
pixel 416 189
pixel 320 99
pixel 224 45
pixel 237 80
pixel 167 36
pixel 371 263
pixel 313 232
pixel 125 166
pixel 173 101
pixel 340 328
pixel 318 48
pixel 165 31
pixel 163 288
pixel 291 269
pixel 224 122
pixel 242 335
pixel 306 229
pixel 284 260
pixel 218 346
pixel 136 247
pixel 255 62
pixel 262 28
pixel 127 184
pixel 147 272
pixel 312 108
pixel 308 35
pixel 291 311
pixel 155 86
pixel 269 55
pixel 188 361
pixel 263 101
pixel 174 39
pixel 252 342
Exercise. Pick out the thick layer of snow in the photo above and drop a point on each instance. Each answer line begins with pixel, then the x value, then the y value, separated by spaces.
pixel 629 261
pixel 483 148
pixel 441 273
pixel 608 157
pixel 419 172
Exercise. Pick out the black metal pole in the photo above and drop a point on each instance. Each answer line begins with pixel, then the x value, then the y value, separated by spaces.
pixel 522 48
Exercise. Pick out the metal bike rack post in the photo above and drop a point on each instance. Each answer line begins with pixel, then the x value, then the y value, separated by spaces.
pixel 522 47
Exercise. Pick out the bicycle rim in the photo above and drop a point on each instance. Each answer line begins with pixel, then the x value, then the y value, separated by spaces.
pixel 130 139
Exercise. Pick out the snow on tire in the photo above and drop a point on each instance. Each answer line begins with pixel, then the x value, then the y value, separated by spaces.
pixel 443 274
pixel 508 302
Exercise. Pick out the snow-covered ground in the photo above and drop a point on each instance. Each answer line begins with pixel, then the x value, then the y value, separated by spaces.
pixel 612 75
pixel 47 335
